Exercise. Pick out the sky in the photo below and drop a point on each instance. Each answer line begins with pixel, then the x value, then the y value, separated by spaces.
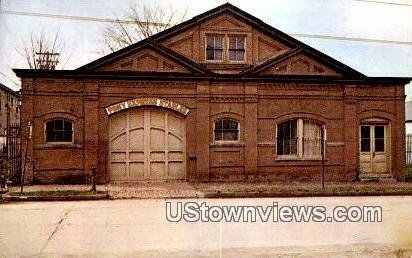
pixel 379 32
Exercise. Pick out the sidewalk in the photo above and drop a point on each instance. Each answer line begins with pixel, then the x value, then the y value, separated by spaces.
pixel 183 189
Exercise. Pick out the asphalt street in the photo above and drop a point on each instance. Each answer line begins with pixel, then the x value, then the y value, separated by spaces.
pixel 139 228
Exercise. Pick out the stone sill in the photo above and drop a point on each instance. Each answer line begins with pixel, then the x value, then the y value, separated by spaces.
pixel 277 158
pixel 58 146
pixel 227 144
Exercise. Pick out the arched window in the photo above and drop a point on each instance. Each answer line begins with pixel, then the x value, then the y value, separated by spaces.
pixel 226 130
pixel 59 130
pixel 299 138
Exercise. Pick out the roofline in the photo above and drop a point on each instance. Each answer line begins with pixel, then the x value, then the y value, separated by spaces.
pixel 115 75
pixel 8 90
pixel 239 13
pixel 186 62
pixel 318 56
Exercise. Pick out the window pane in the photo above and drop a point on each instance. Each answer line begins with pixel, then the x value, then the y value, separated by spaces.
pixel 237 42
pixel 379 131
pixel 58 136
pixel 218 135
pixel 226 130
pixel 218 42
pixel 50 137
pixel 219 125
pixel 230 135
pixel 67 126
pixel 232 56
pixel 50 126
pixel 67 136
pixel 236 55
pixel 240 55
pixel 58 124
pixel 210 55
pixel 59 131
pixel 379 138
pixel 236 48
pixel 287 138
pixel 365 145
pixel 380 145
pixel 210 42
pixel 229 124
pixel 365 139
pixel 241 43
pixel 218 54
pixel 287 146
pixel 232 43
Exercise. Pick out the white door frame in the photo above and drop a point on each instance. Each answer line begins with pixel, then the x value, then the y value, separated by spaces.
pixel 375 157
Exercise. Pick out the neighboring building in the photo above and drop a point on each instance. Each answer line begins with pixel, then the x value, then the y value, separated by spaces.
pixel 9 111
pixel 222 96
pixel 408 117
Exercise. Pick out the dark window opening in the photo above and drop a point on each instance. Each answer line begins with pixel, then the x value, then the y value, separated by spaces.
pixel 226 130
pixel 365 139
pixel 379 138
pixel 287 140
pixel 59 131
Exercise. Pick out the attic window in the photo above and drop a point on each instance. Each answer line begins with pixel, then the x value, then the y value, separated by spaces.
pixel 214 49
pixel 236 48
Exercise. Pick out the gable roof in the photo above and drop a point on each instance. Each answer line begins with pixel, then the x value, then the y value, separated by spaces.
pixel 310 52
pixel 147 44
pixel 226 8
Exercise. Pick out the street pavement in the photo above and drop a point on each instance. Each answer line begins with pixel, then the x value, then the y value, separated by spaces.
pixel 138 228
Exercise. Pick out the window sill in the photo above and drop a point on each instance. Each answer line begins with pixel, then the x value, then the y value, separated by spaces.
pixel 58 146
pixel 280 158
pixel 227 144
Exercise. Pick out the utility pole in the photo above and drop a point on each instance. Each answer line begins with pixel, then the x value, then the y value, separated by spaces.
pixel 47 60
pixel 322 151
pixel 29 127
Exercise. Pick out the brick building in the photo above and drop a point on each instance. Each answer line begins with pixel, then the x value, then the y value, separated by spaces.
pixel 222 96
pixel 9 111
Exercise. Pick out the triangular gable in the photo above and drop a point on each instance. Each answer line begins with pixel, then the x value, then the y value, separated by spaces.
pixel 148 57
pixel 302 61
pixel 243 18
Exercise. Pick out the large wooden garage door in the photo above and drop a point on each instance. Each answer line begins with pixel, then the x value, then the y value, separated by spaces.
pixel 147 144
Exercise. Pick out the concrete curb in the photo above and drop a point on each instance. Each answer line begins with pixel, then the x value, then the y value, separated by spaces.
pixel 93 197
pixel 300 194
pixel 229 195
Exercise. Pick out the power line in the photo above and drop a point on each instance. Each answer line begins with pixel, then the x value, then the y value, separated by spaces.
pixel 80 18
pixel 106 20
pixel 384 41
pixel 383 2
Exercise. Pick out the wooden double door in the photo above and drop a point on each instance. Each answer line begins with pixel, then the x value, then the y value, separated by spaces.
pixel 374 149
pixel 147 143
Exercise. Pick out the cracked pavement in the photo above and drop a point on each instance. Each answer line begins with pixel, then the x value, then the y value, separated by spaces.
pixel 138 228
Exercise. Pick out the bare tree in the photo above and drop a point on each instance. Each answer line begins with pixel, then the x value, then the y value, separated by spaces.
pixel 41 51
pixel 139 21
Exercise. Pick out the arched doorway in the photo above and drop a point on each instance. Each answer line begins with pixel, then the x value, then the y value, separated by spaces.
pixel 147 142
